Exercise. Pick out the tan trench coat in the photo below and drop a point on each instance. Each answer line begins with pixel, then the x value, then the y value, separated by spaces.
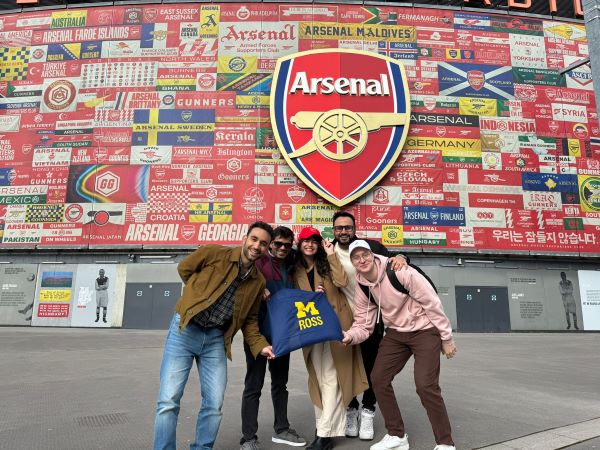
pixel 352 377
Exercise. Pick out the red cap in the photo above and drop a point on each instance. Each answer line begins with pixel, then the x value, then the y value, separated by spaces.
pixel 309 232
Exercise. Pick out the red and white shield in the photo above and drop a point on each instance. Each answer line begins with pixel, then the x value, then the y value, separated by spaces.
pixel 340 118
pixel 476 79
pixel 188 232
pixel 285 212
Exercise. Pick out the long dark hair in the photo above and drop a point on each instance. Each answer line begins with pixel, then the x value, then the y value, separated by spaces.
pixel 321 262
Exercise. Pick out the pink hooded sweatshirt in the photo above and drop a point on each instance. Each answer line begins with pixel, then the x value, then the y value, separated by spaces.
pixel 420 310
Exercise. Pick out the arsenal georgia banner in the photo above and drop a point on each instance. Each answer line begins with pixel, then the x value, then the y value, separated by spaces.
pixel 340 118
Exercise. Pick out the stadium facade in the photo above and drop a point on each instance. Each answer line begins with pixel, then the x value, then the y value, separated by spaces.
pixel 130 134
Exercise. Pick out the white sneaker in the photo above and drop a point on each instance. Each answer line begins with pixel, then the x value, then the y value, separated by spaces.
pixel 366 425
pixel 392 443
pixel 352 422
pixel 444 447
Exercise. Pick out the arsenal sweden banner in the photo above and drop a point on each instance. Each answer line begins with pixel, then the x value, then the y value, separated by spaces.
pixel 301 318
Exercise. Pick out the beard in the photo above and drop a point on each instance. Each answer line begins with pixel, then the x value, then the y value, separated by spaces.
pixel 345 239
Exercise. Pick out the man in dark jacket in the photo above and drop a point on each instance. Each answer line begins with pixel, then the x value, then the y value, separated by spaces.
pixel 221 295
pixel 275 266
pixel 344 231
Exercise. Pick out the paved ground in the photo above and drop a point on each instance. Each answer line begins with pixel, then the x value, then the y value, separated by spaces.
pixel 95 388
pixel 592 444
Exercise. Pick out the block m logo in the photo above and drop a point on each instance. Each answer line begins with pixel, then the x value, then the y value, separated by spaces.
pixel 303 309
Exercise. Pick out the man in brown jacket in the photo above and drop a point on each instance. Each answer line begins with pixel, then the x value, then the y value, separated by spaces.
pixel 222 294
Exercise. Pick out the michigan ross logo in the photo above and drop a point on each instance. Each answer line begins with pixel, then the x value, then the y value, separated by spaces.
pixel 340 118
pixel 304 310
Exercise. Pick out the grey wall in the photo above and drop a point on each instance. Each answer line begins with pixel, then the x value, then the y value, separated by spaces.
pixel 152 273
pixel 534 296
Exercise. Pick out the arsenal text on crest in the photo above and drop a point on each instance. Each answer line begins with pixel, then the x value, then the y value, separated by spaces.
pixel 342 86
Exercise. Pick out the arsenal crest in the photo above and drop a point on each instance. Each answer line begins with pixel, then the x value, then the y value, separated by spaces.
pixel 340 118
pixel 476 79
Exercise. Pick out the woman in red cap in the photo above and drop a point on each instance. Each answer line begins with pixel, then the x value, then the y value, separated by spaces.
pixel 335 372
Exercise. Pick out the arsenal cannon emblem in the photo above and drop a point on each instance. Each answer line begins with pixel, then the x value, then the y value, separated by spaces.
pixel 340 118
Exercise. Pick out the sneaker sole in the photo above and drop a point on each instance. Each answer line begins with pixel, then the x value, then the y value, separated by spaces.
pixel 401 447
pixel 352 437
pixel 366 438
pixel 283 441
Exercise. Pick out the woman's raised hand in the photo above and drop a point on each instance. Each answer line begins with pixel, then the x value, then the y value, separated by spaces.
pixel 328 246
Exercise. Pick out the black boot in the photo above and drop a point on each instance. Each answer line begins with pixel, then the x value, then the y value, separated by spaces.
pixel 568 322
pixel 97 315
pixel 575 322
pixel 321 443
pixel 104 315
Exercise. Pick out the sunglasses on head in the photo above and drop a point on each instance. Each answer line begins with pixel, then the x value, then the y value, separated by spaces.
pixel 278 244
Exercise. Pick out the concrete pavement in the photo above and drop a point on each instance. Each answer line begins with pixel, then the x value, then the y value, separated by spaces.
pixel 64 388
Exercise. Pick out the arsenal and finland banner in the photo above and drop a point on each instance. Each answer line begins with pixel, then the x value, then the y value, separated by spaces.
pixel 340 118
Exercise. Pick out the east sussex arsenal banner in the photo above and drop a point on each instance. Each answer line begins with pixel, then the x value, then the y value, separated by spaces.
pixel 340 118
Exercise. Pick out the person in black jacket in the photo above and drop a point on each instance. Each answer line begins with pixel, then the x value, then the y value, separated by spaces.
pixel 344 230
pixel 276 267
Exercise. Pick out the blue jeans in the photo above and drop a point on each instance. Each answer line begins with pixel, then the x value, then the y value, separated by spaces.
pixel 206 347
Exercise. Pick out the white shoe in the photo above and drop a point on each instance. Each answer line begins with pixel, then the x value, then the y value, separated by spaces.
pixel 392 443
pixel 366 425
pixel 352 422
pixel 444 447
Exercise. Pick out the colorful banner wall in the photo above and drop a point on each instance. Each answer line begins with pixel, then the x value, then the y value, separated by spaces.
pixel 149 125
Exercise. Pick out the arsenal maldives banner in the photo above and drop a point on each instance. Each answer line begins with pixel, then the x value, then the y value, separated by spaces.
pixel 180 124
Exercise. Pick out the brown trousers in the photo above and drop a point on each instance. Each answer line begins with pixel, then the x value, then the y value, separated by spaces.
pixel 395 350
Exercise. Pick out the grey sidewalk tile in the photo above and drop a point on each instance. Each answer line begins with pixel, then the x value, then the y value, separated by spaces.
pixel 581 431
pixel 553 439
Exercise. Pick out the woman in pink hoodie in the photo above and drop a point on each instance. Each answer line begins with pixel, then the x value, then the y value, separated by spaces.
pixel 415 325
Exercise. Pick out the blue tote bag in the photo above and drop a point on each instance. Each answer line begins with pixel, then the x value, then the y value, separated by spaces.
pixel 300 318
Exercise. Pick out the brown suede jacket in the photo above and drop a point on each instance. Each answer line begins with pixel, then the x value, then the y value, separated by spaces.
pixel 206 273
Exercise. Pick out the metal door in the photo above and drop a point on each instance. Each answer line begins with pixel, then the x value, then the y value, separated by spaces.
pixel 482 309
pixel 137 311
pixel 164 297
pixel 469 310
pixel 150 305
pixel 496 315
